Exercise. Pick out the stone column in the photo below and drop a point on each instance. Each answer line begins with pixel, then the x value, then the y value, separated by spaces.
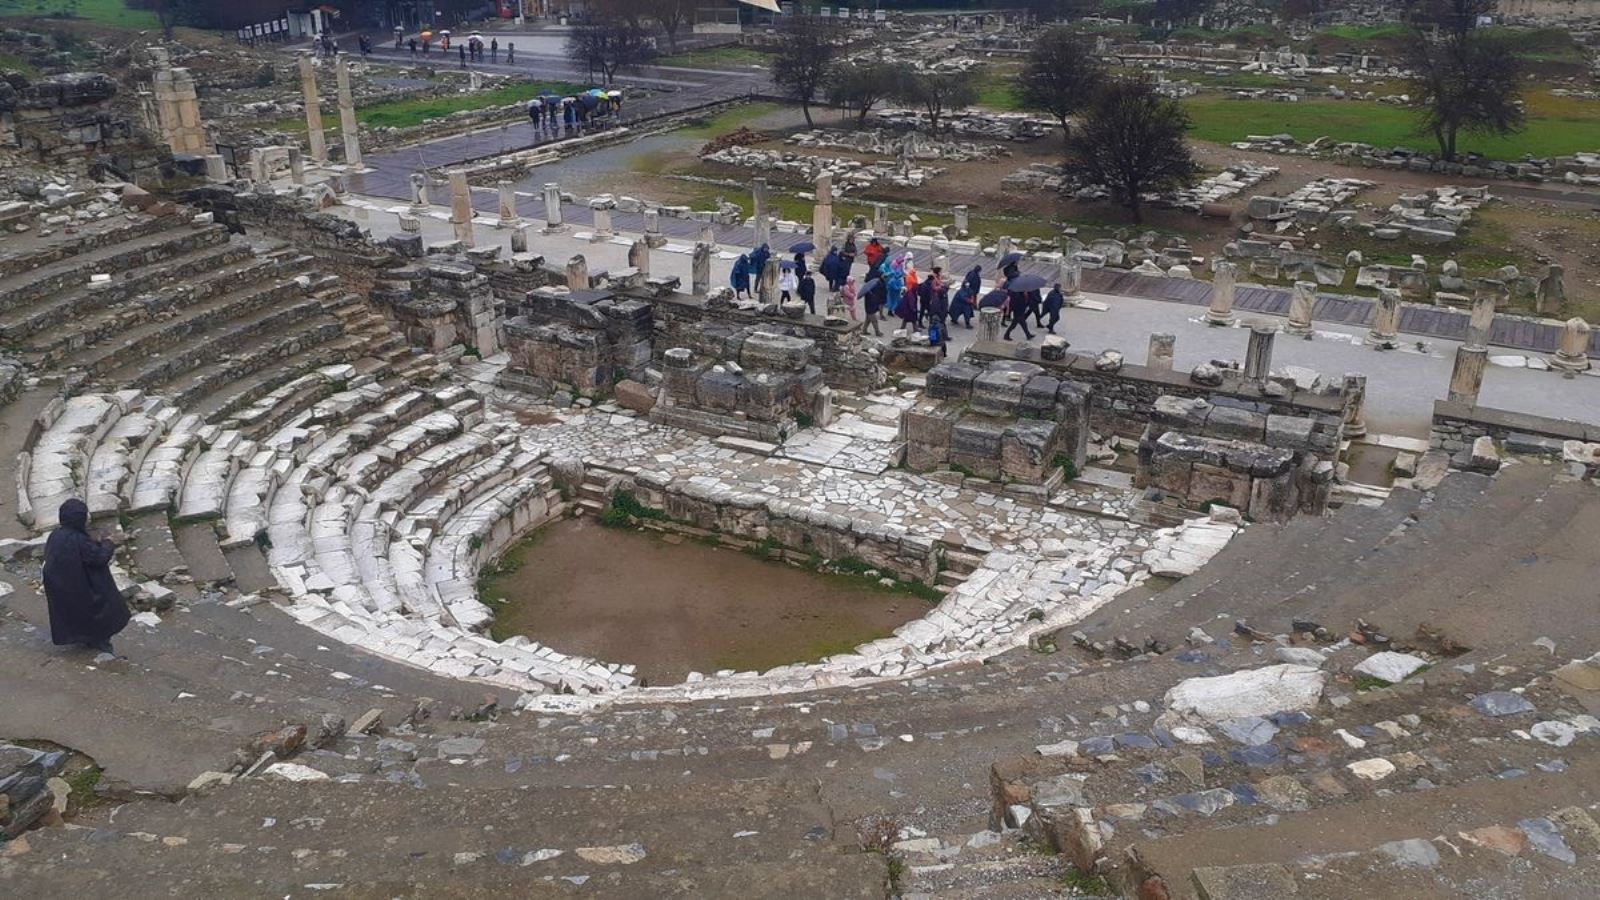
pixel 578 273
pixel 1001 248
pixel 1301 302
pixel 297 166
pixel 347 114
pixel 652 229
pixel 708 236
pixel 410 224
pixel 639 257
pixel 822 214
pixel 1258 353
pixel 1223 278
pixel 519 239
pixel 552 208
pixel 1482 321
pixel 961 220
pixel 1551 293
pixel 1161 351
pixel 461 207
pixel 216 168
pixel 989 324
pixel 880 219
pixel 602 223
pixel 1071 278
pixel 177 108
pixel 1385 318
pixel 700 270
pixel 767 286
pixel 258 166
pixel 419 192
pixel 758 198
pixel 1467 375
pixel 508 204
pixel 1355 419
pixel 763 230
pixel 1574 353
pixel 308 89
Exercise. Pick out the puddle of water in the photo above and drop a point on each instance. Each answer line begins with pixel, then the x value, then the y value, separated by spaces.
pixel 671 608
pixel 1370 464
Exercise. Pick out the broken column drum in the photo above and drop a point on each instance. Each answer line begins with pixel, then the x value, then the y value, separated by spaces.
pixel 1301 301
pixel 461 207
pixel 347 114
pixel 1258 353
pixel 308 89
pixel 767 287
pixel 1482 321
pixel 1355 391
pixel 419 192
pixel 639 256
pixel 700 270
pixel 1161 352
pixel 1573 356
pixel 552 208
pixel 989 324
pixel 1070 277
pixel 1466 377
pixel 1223 279
pixel 1385 318
pixel 508 204
pixel 602 223
pixel 578 273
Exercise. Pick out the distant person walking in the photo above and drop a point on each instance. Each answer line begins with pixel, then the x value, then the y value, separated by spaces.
pixel 85 606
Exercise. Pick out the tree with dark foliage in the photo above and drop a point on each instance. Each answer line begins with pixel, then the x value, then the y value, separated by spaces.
pixel 605 47
pixel 1131 140
pixel 1060 75
pixel 804 60
pixel 938 92
pixel 861 86
pixel 1465 79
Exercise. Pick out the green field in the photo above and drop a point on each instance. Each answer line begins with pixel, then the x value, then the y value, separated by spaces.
pixel 406 113
pixel 717 58
pixel 104 12
pixel 1556 126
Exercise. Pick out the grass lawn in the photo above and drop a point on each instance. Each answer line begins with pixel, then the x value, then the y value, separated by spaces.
pixel 405 113
pixel 1557 126
pixel 105 12
pixel 717 58
pixel 17 64
pixel 996 90
pixel 732 117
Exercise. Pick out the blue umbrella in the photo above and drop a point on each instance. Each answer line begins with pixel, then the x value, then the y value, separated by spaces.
pixel 802 247
pixel 1009 259
pixel 1026 283
pixel 993 299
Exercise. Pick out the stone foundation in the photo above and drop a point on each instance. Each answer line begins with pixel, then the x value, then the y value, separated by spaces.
pixel 1007 420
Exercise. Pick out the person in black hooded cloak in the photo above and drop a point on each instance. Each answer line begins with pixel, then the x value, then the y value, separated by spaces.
pixel 85 606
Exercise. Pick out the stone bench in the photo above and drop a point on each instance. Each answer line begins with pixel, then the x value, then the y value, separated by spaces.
pixel 161 473
pixel 58 465
pixel 206 485
pixel 121 453
pixel 73 272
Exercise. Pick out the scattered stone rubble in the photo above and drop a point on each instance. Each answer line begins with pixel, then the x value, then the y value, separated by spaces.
pixel 905 145
pixel 848 174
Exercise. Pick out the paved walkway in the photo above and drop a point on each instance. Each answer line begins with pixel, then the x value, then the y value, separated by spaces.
pixel 1429 322
pixel 1403 383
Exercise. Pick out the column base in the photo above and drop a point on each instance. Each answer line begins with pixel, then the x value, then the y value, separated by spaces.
pixel 1298 330
pixel 655 241
pixel 1383 341
pixel 1569 363
pixel 553 229
pixel 600 237
pixel 1220 320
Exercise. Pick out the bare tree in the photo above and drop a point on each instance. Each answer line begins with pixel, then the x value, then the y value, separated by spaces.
pixel 1060 75
pixel 804 59
pixel 1465 80
pixel 1131 141
pixel 861 86
pixel 672 15
pixel 605 47
pixel 938 92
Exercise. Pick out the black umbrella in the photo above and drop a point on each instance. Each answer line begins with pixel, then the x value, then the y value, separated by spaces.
pixel 993 299
pixel 1026 283
pixel 802 247
pixel 1009 259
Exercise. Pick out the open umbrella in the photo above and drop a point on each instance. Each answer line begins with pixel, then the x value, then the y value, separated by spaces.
pixel 1009 259
pixel 870 286
pixel 1026 283
pixel 993 299
pixel 802 247
pixel 787 265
